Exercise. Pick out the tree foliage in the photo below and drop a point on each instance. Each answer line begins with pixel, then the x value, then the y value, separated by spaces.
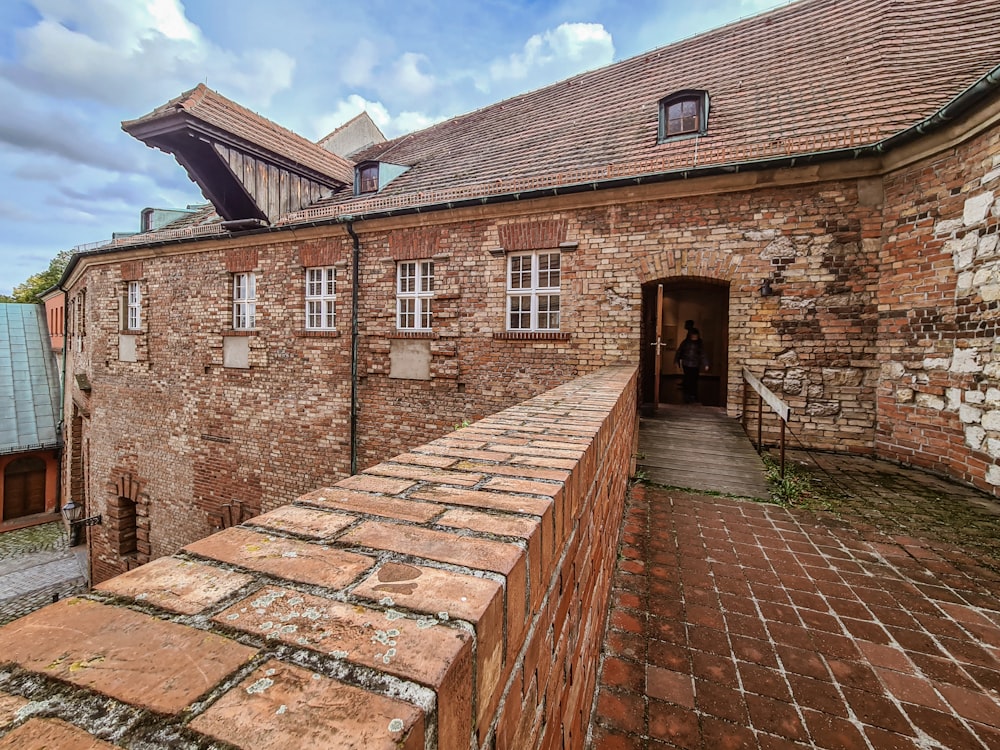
pixel 30 290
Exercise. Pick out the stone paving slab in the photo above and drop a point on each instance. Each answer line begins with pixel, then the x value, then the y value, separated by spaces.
pixel 743 625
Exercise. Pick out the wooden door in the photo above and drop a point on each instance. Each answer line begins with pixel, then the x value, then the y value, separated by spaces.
pixel 23 488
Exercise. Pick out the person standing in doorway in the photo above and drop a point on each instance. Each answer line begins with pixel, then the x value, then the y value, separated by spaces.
pixel 691 358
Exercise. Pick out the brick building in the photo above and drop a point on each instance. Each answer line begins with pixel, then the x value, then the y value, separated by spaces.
pixel 328 312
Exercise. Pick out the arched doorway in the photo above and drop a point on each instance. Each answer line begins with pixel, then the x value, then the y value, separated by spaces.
pixel 23 488
pixel 704 301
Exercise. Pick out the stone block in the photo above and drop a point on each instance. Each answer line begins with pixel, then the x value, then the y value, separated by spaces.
pixel 176 585
pixel 977 208
pixel 290 559
pixel 966 361
pixel 280 706
pixel 963 251
pixel 54 734
pixel 823 408
pixel 930 401
pixel 970 414
pixel 974 436
pixel 991 420
pixel 993 447
pixel 110 652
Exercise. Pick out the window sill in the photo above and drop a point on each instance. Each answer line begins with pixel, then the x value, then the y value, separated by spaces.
pixel 309 334
pixel 532 336
pixel 412 335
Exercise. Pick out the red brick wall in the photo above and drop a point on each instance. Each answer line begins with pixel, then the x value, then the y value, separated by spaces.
pixel 938 400
pixel 451 597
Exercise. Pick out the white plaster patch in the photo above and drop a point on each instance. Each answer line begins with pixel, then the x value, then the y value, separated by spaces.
pixel 993 475
pixel 966 360
pixel 991 420
pixel 977 208
pixel 989 177
pixel 992 370
pixel 975 397
pixel 993 396
pixel 930 401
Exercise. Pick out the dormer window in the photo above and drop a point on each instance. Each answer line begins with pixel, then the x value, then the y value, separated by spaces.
pixel 367 178
pixel 683 114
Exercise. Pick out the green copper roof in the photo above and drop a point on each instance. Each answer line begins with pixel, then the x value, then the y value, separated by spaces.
pixel 29 381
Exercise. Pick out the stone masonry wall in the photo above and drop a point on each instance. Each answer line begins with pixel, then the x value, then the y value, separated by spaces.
pixel 939 309
pixel 452 597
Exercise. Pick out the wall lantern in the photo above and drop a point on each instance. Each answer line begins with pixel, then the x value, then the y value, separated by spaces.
pixel 73 514
pixel 765 288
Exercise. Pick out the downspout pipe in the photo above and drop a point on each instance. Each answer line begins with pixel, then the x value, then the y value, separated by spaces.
pixel 355 285
pixel 62 398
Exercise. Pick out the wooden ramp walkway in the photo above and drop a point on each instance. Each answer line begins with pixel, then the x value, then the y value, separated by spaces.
pixel 700 448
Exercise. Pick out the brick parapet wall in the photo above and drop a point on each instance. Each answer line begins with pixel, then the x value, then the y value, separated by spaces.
pixel 453 596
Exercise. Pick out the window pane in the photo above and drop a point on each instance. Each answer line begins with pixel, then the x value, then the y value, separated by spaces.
pixel 406 312
pixel 407 277
pixel 427 277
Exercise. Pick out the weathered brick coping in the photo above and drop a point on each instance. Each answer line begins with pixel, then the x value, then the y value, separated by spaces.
pixel 451 597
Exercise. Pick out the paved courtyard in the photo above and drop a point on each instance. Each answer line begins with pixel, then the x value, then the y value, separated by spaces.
pixel 869 619
pixel 36 566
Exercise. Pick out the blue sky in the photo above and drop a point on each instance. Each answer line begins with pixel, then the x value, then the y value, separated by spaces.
pixel 72 70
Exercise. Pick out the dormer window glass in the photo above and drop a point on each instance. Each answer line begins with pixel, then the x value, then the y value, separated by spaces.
pixel 683 114
pixel 368 178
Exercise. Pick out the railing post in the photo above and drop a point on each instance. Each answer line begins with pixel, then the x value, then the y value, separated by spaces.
pixel 760 423
pixel 743 413
pixel 783 448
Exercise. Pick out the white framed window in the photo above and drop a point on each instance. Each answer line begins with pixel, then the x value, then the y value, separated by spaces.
pixel 321 294
pixel 414 291
pixel 533 291
pixel 244 301
pixel 133 308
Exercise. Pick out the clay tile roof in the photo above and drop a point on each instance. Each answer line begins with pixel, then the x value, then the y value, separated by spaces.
pixel 211 108
pixel 815 75
pixel 29 381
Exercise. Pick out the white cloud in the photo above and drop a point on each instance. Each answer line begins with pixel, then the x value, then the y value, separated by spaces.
pixel 359 64
pixel 116 51
pixel 392 126
pixel 557 53
pixel 408 77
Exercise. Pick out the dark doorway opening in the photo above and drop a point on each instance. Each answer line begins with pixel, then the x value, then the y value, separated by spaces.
pixel 679 300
